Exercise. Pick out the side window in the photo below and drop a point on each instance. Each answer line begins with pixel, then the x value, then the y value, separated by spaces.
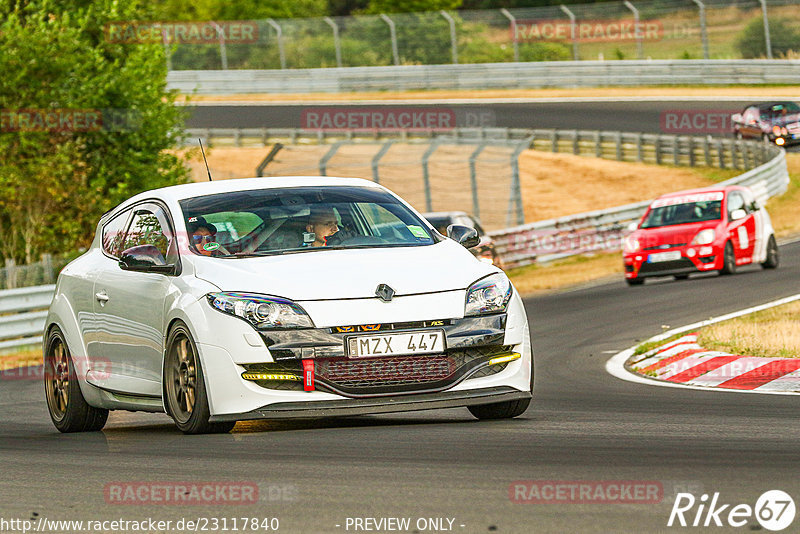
pixel 145 229
pixel 735 202
pixel 113 234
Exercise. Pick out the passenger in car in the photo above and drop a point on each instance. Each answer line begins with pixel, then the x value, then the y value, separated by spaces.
pixel 203 237
pixel 322 224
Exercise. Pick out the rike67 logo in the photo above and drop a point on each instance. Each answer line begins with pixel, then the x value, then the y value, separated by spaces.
pixel 774 510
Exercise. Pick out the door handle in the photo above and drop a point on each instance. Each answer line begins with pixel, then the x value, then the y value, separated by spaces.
pixel 102 297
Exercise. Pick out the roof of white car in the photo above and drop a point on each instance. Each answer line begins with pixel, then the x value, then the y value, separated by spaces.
pixel 179 192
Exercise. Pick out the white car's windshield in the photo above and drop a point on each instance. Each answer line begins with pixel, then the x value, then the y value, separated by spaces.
pixel 289 220
pixel 692 212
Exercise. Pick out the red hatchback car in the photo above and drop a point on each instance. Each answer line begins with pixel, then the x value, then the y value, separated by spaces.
pixel 701 230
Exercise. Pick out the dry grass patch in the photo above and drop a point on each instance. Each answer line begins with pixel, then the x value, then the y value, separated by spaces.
pixel 784 209
pixel 564 273
pixel 28 358
pixel 770 333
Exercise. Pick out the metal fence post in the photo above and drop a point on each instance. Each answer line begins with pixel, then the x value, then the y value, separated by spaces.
pixel 572 31
pixel 618 142
pixel 576 147
pixel 514 36
pixel 767 40
pixel 453 40
pixel 279 31
pixel 11 273
pixel 336 42
pixel 473 179
pixel 639 147
pixel 554 141
pixel 676 150
pixel 48 276
pixel 425 176
pixel 690 141
pixel 637 30
pixel 393 36
pixel 323 162
pixel 721 153
pixel 658 149
pixel 598 144
pixel 703 27
pixel 515 198
pixel 223 53
pixel 707 150
pixel 377 158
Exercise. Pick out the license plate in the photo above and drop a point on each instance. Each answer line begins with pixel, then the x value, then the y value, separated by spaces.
pixel 672 255
pixel 421 342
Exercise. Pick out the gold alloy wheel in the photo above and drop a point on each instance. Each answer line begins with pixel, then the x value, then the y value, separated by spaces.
pixel 57 379
pixel 182 379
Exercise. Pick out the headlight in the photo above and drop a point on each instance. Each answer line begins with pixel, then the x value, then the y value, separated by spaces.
pixel 776 130
pixel 784 131
pixel 488 295
pixel 704 237
pixel 631 244
pixel 261 311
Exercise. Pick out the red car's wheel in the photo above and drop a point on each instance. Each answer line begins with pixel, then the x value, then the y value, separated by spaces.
pixel 728 260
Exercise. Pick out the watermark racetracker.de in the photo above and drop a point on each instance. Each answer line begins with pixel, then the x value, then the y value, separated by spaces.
pixel 61 120
pixel 181 493
pixel 183 32
pixel 694 121
pixel 394 118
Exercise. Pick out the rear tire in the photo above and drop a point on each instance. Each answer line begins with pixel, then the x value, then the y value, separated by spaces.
pixel 184 386
pixel 68 409
pixel 681 277
pixel 634 281
pixel 728 260
pixel 773 257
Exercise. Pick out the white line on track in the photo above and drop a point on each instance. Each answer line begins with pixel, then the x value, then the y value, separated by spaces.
pixel 615 366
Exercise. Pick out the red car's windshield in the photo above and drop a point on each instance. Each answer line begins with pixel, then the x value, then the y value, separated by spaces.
pixel 692 212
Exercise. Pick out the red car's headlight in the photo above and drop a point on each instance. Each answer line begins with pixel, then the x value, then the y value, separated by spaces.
pixel 631 244
pixel 704 237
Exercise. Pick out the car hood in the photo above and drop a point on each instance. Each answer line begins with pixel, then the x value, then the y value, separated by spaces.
pixel 347 274
pixel 788 119
pixel 672 235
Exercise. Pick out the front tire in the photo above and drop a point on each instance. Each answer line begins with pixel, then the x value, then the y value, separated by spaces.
pixel 503 410
pixel 728 260
pixel 634 281
pixel 186 398
pixel 681 277
pixel 773 257
pixel 68 409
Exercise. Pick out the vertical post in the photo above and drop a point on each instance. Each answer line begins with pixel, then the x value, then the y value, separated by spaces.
pixel 323 162
pixel 640 147
pixel 279 31
pixel 618 142
pixel 554 141
pixel 703 27
pixel 572 31
pixel 223 53
pixel 516 190
pixel 637 30
pixel 514 36
pixel 48 276
pixel 473 179
pixel 721 153
pixel 658 149
pixel 598 144
pixel 336 41
pixel 707 150
pixel 453 41
pixel 767 40
pixel 167 51
pixel 11 273
pixel 375 160
pixel 425 177
pixel 692 162
pixel 576 147
pixel 393 35
pixel 676 150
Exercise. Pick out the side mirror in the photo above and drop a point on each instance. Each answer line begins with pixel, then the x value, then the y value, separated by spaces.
pixel 738 214
pixel 464 235
pixel 754 206
pixel 633 226
pixel 144 259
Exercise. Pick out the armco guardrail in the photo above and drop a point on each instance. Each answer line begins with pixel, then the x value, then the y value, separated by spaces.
pixel 488 76
pixel 604 230
pixel 23 315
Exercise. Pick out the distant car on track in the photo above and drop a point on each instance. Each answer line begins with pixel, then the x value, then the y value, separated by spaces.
pixel 772 122
pixel 701 230
pixel 484 251
pixel 289 297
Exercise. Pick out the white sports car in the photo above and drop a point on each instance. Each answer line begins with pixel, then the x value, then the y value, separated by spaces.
pixel 280 297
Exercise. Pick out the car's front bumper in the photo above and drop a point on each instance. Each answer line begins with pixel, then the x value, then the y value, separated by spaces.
pixel 401 403
pixel 693 259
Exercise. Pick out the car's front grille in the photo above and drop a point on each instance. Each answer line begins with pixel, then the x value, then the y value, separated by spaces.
pixel 385 375
pixel 665 266
pixel 665 246
pixel 388 326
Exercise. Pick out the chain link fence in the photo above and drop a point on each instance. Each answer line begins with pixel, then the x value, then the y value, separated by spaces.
pixel 650 29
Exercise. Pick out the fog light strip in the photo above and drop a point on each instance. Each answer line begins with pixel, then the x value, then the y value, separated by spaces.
pixel 504 359
pixel 269 376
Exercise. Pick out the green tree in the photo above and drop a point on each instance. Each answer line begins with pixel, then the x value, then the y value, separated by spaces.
pixel 783 38
pixel 114 118
pixel 411 6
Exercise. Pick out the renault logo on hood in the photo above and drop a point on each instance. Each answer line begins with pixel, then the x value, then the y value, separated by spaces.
pixel 384 292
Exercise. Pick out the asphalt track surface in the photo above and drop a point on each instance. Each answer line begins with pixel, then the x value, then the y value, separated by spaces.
pixel 583 425
pixel 626 116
